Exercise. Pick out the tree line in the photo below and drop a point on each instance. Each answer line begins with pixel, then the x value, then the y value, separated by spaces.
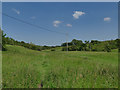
pixel 74 45
pixel 93 45
pixel 10 41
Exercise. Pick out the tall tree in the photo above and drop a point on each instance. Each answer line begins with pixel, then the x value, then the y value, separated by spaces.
pixel 2 40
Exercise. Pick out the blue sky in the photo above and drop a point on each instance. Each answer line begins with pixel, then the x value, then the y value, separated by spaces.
pixel 83 21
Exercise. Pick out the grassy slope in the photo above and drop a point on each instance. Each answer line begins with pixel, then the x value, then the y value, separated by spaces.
pixel 27 68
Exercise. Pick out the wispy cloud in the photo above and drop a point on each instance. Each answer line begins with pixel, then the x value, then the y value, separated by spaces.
pixel 77 14
pixel 33 17
pixel 56 23
pixel 16 11
pixel 107 19
pixel 68 25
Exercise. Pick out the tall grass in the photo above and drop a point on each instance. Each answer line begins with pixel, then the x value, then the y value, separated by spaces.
pixel 24 68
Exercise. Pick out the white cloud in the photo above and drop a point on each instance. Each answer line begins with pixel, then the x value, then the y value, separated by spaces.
pixel 77 14
pixel 68 25
pixel 107 19
pixel 56 23
pixel 16 11
pixel 33 17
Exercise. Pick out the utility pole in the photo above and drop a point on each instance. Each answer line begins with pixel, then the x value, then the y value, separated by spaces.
pixel 67 41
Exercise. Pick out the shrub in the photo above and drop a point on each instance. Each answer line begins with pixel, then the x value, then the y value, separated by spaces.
pixel 87 49
pixel 64 49
pixel 52 49
pixel 107 48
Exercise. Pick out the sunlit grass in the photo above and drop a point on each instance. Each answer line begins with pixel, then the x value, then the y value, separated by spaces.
pixel 24 68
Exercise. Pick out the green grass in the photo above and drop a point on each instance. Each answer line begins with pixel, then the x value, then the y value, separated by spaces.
pixel 24 68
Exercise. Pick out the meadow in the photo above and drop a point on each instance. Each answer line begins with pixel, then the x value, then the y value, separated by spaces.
pixel 25 68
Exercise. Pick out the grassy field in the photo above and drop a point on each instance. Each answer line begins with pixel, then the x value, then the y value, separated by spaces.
pixel 24 68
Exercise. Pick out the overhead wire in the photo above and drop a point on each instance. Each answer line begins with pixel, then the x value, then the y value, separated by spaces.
pixel 37 26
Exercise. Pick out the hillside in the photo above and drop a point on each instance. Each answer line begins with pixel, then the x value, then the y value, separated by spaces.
pixel 26 68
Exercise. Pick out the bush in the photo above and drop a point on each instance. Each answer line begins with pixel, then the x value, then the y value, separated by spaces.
pixel 52 49
pixel 80 48
pixel 93 49
pixel 64 49
pixel 39 49
pixel 87 49
pixel 107 48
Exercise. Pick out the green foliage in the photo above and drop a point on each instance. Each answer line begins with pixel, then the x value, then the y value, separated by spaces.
pixel 107 48
pixel 94 42
pixel 64 49
pixel 74 45
pixel 118 44
pixel 11 41
pixel 94 45
pixel 25 68
pixel 2 42
pixel 52 49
